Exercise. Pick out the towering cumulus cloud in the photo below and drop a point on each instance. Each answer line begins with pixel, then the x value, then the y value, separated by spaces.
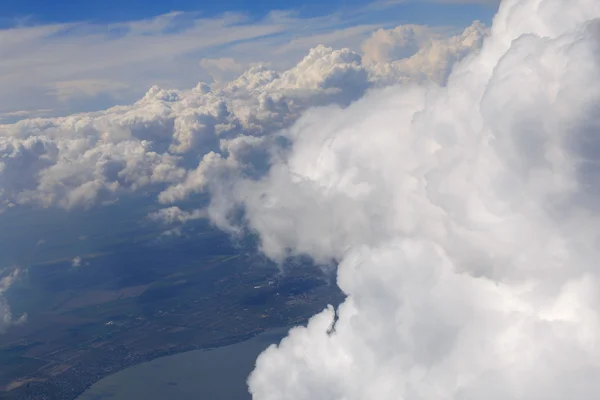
pixel 465 221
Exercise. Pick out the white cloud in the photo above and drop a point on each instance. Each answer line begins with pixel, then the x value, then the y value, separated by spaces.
pixel 86 159
pixel 465 220
pixel 387 45
pixel 171 215
pixel 76 262
pixel 6 316
pixel 390 3
pixel 222 69
pixel 74 163
pixel 419 53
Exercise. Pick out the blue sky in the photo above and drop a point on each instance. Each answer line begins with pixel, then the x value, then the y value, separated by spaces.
pixel 112 10
pixel 44 11
pixel 66 56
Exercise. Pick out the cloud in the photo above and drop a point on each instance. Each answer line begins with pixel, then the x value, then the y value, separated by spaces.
pixel 171 215
pixel 74 163
pixel 464 219
pixel 6 316
pixel 178 141
pixel 222 69
pixel 390 3
pixel 76 262
pixel 419 53
pixel 386 45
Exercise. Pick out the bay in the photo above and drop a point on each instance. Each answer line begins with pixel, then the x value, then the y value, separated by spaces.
pixel 215 374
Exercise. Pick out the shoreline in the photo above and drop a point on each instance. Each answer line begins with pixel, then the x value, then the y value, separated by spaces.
pixel 77 380
pixel 202 368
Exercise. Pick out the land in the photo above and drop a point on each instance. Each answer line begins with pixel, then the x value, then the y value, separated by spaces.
pixel 144 297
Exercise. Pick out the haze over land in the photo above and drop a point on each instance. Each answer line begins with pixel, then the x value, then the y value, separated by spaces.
pixel 459 204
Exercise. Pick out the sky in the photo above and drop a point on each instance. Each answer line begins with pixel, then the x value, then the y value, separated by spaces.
pixel 40 11
pixel 69 56
pixel 114 10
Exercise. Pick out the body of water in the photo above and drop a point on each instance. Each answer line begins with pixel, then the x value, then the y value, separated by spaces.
pixel 216 374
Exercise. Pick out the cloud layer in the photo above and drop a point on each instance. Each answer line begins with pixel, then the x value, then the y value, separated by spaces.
pixel 86 159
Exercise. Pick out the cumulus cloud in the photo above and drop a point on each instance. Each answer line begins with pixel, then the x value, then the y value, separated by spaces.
pixel 73 164
pixel 76 262
pixel 6 316
pixel 464 219
pixel 222 69
pixel 419 53
pixel 176 141
pixel 386 45
pixel 171 215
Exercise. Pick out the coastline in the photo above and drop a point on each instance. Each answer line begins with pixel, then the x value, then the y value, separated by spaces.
pixel 74 383
pixel 214 372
